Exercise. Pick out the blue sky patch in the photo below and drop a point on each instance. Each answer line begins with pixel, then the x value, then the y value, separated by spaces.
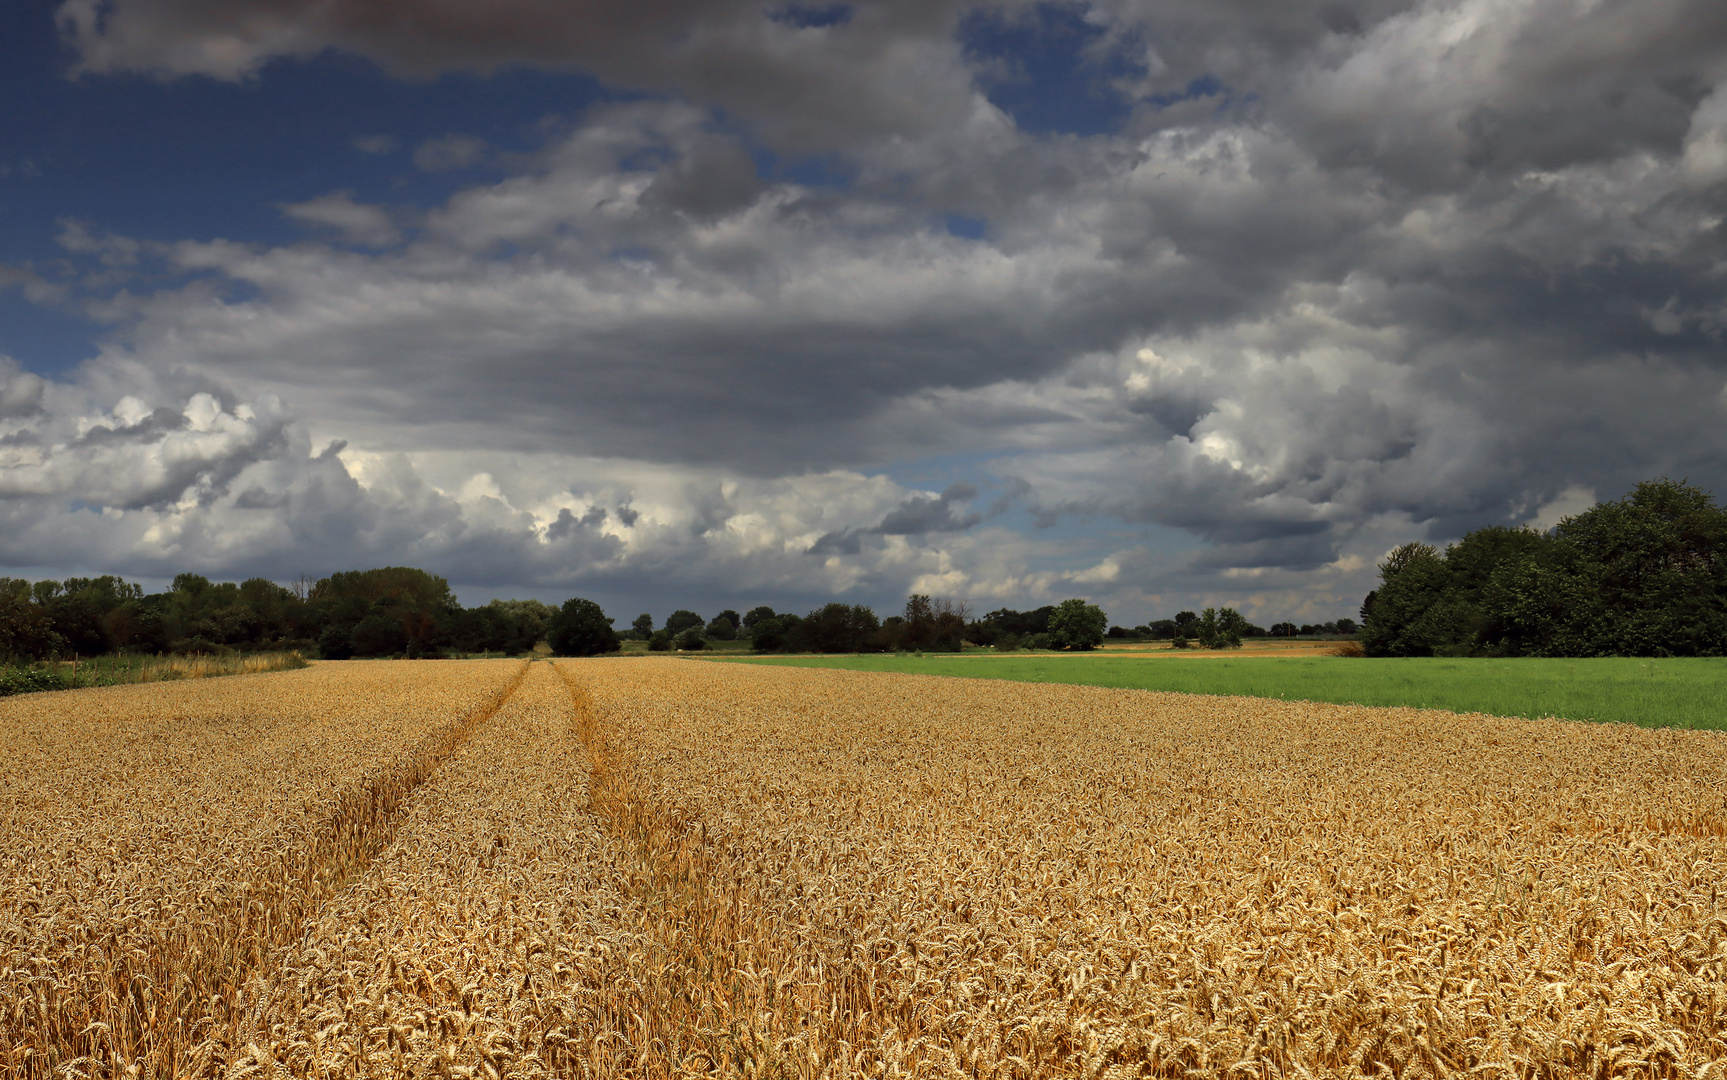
pixel 1048 69
pixel 804 16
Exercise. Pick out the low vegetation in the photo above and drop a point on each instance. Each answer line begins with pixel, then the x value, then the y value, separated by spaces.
pixel 1684 693
pixel 125 669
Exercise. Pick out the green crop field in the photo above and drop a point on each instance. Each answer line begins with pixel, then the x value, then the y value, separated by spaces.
pixel 1688 693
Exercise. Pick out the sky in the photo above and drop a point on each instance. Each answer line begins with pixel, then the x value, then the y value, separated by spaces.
pixel 721 303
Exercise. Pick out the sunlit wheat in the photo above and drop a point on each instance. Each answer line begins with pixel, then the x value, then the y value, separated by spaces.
pixel 158 843
pixel 659 868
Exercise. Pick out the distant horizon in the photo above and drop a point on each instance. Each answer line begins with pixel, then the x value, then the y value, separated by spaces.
pixel 479 596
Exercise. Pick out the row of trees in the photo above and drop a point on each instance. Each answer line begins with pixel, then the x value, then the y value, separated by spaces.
pixel 1644 576
pixel 402 611
pixel 1189 628
pixel 925 625
pixel 392 611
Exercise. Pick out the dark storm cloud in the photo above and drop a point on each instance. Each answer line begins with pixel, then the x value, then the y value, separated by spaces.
pixel 915 516
pixel 816 84
pixel 923 514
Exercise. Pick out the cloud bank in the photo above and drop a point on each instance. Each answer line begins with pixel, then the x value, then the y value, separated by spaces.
pixel 1337 275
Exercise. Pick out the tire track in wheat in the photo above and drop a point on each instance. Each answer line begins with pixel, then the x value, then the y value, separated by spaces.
pixel 161 842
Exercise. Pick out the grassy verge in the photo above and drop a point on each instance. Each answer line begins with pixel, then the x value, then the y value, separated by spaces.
pixel 1689 693
pixel 117 670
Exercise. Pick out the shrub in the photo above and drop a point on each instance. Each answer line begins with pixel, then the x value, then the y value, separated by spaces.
pixel 660 641
pixel 29 680
pixel 692 640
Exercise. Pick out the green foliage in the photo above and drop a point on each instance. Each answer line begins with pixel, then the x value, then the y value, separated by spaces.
pixel 768 635
pixel 29 680
pixel 580 628
pixel 643 626
pixel 1075 624
pixel 1220 628
pixel 660 641
pixel 692 640
pixel 505 626
pixel 836 628
pixel 1687 693
pixel 336 643
pixel 681 620
pixel 937 625
pixel 1645 576
pixel 723 627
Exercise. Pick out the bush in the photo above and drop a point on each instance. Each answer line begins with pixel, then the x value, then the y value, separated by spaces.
pixel 580 628
pixel 29 680
pixel 660 641
pixel 692 641
pixel 1005 642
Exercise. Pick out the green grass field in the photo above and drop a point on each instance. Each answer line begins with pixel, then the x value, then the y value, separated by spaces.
pixel 1654 693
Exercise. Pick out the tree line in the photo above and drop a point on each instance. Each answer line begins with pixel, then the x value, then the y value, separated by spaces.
pixel 390 611
pixel 925 625
pixel 1643 576
pixel 406 612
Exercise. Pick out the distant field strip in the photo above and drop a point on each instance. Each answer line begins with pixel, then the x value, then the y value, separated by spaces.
pixel 1686 693
pixel 157 842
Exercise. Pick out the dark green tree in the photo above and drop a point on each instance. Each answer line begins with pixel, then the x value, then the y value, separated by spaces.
pixel 1409 616
pixel 1076 624
pixel 1219 628
pixel 691 640
pixel 768 635
pixel 836 628
pixel 580 628
pixel 681 620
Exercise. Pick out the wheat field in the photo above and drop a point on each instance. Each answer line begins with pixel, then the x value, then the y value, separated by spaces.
pixel 661 867
pixel 159 842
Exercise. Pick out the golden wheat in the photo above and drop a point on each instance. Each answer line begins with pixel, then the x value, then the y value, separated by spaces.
pixel 663 868
pixel 951 877
pixel 158 842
